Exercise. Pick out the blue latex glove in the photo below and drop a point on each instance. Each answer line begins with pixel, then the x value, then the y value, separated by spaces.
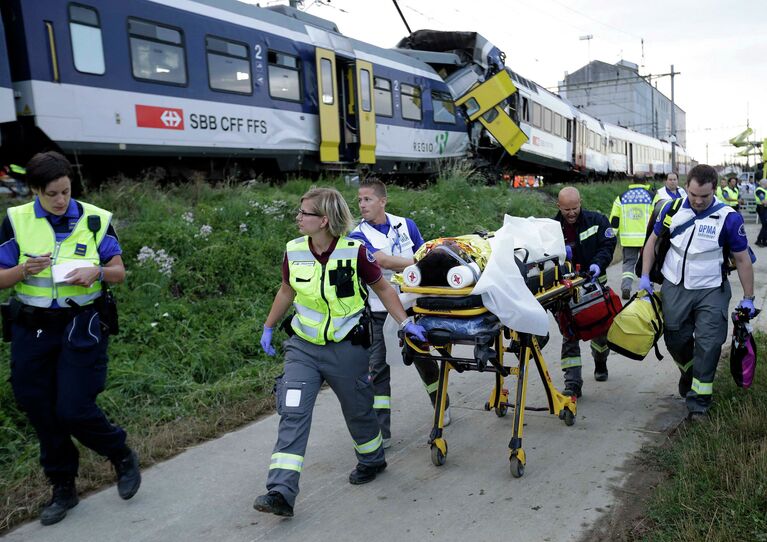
pixel 645 284
pixel 747 304
pixel 266 341
pixel 568 253
pixel 595 271
pixel 416 331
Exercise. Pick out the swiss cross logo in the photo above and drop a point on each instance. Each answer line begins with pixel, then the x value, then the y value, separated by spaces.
pixel 168 118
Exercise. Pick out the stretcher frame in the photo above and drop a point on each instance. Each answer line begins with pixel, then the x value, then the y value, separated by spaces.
pixel 524 346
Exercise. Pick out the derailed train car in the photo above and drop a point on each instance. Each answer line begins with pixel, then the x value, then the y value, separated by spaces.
pixel 276 89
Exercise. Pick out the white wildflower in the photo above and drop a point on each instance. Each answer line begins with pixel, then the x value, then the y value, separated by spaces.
pixel 243 228
pixel 162 259
pixel 153 324
pixel 205 231
pixel 188 217
pixel 166 315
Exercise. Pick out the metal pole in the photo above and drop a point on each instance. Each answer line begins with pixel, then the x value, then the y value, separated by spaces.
pixel 673 126
pixel 402 16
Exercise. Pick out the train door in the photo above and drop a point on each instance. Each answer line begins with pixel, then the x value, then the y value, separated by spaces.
pixel 347 115
pixel 631 158
pixel 580 146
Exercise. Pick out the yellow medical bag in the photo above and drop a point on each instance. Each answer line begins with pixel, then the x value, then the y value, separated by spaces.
pixel 638 327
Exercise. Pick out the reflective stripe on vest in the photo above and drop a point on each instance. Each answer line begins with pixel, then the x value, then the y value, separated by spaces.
pixel 36 236
pixel 321 316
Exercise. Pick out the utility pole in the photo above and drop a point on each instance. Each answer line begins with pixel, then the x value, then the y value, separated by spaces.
pixel 673 126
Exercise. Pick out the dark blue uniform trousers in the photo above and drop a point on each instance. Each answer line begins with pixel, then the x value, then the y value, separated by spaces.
pixel 56 374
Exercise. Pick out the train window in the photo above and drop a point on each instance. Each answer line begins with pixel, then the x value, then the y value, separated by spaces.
pixel 490 115
pixel 285 80
pixel 228 65
pixel 365 90
pixel 525 109
pixel 537 115
pixel 383 100
pixel 557 124
pixel 547 119
pixel 157 52
pixel 567 129
pixel 444 108
pixel 410 97
pixel 85 34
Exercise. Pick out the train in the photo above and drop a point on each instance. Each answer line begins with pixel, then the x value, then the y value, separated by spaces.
pixel 274 89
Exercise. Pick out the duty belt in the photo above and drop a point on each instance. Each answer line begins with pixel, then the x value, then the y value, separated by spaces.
pixel 38 317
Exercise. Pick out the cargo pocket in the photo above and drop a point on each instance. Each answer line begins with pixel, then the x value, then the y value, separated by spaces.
pixel 84 331
pixel 290 397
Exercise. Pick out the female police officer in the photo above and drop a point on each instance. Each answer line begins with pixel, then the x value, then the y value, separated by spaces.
pixel 323 274
pixel 58 346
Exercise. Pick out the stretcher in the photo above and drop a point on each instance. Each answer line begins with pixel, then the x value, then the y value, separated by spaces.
pixel 455 317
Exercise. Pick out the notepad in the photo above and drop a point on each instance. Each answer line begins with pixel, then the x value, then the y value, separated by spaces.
pixel 61 270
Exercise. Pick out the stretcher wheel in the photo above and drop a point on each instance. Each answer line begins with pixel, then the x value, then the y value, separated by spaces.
pixel 568 416
pixel 437 457
pixel 487 406
pixel 501 410
pixel 516 467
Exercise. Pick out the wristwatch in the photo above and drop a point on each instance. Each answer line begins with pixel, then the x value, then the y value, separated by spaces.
pixel 406 321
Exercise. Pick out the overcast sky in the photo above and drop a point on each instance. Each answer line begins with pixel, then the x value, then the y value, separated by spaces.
pixel 719 47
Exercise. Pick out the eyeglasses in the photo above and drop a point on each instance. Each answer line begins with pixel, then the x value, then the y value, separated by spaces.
pixel 302 213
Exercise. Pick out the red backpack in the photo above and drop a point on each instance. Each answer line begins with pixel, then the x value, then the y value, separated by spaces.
pixel 590 313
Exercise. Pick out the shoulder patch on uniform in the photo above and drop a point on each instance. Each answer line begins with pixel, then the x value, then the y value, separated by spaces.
pixel 370 256
pixel 742 230
pixel 609 233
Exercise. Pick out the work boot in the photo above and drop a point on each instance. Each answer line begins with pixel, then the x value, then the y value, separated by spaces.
pixel 685 384
pixel 626 293
pixel 128 475
pixel 64 497
pixel 363 474
pixel 572 389
pixel 600 371
pixel 273 503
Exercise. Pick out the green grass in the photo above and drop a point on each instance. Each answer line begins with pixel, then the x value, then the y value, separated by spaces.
pixel 716 486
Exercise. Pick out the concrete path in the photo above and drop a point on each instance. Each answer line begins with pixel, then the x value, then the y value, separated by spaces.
pixel 571 477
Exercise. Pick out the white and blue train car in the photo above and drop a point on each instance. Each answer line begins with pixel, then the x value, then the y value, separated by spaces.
pixel 548 123
pixel 7 107
pixel 223 78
